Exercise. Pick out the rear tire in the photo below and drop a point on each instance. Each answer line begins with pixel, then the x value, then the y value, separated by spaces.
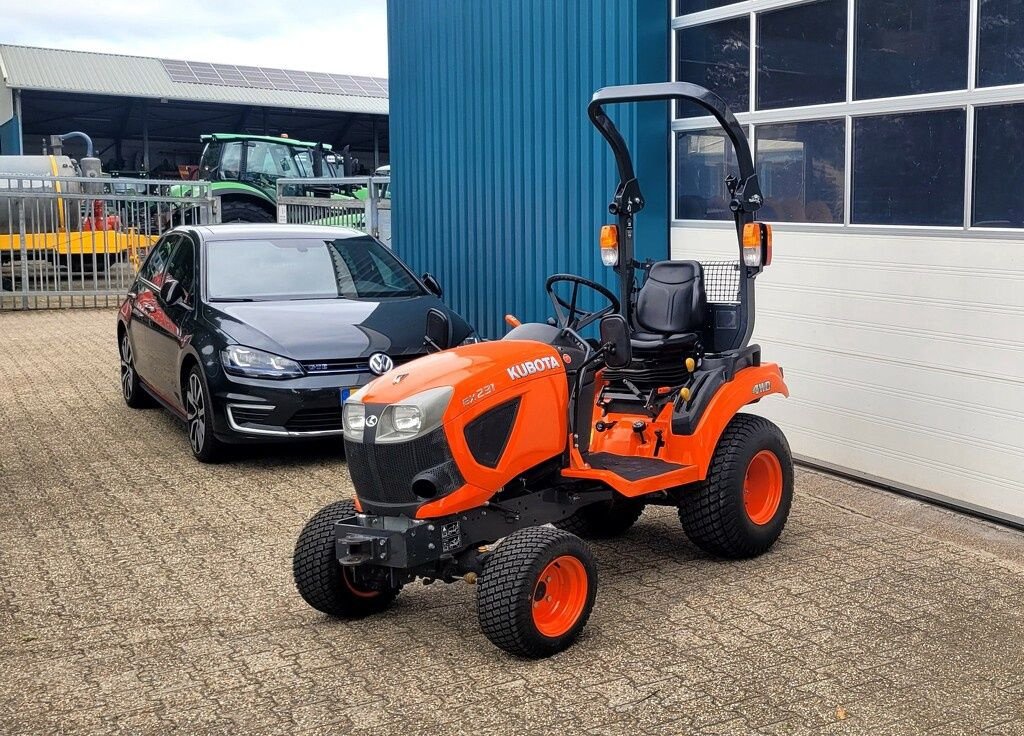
pixel 740 509
pixel 605 519
pixel 537 591
pixel 321 580
pixel 134 394
pixel 243 212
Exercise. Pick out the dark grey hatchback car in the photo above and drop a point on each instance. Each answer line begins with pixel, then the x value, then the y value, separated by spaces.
pixel 257 333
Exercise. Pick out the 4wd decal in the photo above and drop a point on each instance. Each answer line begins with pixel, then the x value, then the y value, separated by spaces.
pixel 763 387
pixel 531 367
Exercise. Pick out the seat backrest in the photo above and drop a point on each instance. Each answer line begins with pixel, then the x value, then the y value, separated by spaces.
pixel 672 300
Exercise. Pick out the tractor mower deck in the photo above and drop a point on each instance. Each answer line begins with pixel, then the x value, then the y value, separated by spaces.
pixel 499 440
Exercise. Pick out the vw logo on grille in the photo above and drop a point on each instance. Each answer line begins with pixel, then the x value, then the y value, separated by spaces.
pixel 381 363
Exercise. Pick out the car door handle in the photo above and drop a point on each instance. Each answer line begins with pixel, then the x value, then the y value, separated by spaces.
pixel 150 308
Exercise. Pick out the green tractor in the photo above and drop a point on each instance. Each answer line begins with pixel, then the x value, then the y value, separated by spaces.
pixel 244 170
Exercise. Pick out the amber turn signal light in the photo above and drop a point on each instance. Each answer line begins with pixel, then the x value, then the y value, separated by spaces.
pixel 757 244
pixel 610 245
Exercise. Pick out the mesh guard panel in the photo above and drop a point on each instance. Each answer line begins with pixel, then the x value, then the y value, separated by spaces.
pixel 383 472
pixel 722 281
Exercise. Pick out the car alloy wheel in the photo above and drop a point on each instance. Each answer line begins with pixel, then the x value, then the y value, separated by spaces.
pixel 127 368
pixel 195 405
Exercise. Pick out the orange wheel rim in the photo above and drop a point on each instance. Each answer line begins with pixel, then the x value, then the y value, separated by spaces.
pixel 346 578
pixel 559 596
pixel 762 487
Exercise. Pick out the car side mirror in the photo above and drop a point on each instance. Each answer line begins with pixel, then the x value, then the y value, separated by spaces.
pixel 439 330
pixel 615 341
pixel 432 285
pixel 171 292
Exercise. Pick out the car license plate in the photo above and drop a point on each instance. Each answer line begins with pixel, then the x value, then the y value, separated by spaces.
pixel 345 393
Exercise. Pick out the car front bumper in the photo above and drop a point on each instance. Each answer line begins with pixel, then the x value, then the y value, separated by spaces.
pixel 251 409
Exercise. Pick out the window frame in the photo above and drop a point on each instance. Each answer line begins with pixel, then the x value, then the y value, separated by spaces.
pixel 970 97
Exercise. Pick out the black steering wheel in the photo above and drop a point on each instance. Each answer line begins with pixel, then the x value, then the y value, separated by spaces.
pixel 577 318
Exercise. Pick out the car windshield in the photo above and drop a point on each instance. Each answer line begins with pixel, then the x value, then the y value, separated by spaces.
pixel 307 268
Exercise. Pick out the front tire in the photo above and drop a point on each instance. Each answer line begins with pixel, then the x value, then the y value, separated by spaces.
pixel 740 509
pixel 605 519
pixel 199 419
pixel 537 591
pixel 321 580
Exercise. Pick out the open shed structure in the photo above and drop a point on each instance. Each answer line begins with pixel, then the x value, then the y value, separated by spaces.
pixel 146 114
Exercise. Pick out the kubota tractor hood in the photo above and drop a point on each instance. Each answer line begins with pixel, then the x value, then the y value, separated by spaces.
pixel 474 371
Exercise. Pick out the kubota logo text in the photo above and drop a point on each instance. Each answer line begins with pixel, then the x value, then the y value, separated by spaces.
pixel 530 367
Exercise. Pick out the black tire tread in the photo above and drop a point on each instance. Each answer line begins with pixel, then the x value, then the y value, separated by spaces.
pixel 505 612
pixel 708 514
pixel 317 573
pixel 243 212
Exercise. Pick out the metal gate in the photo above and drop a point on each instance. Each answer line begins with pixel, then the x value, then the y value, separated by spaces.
pixel 359 202
pixel 78 241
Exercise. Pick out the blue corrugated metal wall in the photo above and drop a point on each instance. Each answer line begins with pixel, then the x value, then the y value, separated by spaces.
pixel 499 177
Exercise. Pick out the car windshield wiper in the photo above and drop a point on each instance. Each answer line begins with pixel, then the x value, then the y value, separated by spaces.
pixel 232 299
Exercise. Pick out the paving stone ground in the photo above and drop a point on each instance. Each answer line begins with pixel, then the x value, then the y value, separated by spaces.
pixel 141 592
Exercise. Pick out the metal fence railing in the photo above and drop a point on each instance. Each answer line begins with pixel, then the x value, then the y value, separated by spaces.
pixel 360 202
pixel 78 241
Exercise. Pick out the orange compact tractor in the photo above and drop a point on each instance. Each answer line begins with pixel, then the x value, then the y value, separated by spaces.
pixel 545 437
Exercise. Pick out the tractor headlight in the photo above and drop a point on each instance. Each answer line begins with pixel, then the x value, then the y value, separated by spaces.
pixel 415 416
pixel 239 360
pixel 354 417
pixel 407 419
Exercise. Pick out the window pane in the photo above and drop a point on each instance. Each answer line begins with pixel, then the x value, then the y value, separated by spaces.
pixel 1001 43
pixel 999 166
pixel 716 56
pixel 801 55
pixel 801 170
pixel 703 159
pixel 909 169
pixel 694 6
pixel 906 47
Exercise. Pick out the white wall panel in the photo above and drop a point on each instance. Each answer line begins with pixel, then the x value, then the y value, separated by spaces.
pixel 904 356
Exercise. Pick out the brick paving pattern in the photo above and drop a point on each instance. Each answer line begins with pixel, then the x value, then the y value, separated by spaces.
pixel 141 592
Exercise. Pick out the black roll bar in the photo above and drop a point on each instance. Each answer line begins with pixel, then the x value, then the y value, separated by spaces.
pixel 628 200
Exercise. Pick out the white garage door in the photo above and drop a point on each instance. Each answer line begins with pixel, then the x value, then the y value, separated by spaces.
pixel 904 356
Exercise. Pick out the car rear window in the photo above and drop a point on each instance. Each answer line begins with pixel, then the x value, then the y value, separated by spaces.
pixel 349 268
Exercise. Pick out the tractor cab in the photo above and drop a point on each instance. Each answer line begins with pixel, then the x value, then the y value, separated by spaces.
pixel 244 170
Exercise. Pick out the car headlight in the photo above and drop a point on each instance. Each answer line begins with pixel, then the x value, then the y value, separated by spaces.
pixel 242 361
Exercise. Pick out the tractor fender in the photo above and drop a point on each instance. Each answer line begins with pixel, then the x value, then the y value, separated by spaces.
pixel 240 191
pixel 747 387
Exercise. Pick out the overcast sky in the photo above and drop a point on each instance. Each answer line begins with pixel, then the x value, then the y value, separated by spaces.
pixel 340 36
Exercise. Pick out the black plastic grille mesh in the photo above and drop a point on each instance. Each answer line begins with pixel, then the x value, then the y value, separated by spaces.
pixel 722 281
pixel 383 472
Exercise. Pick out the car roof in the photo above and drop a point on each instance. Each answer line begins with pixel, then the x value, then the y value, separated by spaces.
pixel 269 138
pixel 259 231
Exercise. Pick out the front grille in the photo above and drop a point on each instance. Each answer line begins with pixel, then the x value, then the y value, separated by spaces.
pixel 316 420
pixel 383 473
pixel 341 366
pixel 327 367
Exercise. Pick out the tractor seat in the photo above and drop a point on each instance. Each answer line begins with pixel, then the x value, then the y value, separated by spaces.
pixel 646 341
pixel 670 308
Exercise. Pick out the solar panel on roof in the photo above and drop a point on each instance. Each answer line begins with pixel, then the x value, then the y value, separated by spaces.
pixel 229 75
